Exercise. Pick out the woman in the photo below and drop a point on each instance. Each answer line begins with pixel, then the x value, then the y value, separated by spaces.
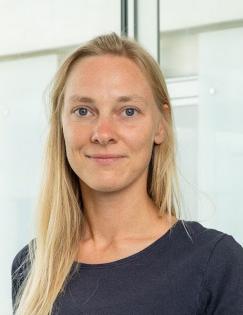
pixel 109 236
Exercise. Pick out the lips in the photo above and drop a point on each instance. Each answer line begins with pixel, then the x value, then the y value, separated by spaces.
pixel 105 160
pixel 105 156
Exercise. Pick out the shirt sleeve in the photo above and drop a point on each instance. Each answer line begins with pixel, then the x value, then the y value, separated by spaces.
pixel 222 288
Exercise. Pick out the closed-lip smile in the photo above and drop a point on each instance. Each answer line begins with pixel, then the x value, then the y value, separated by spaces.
pixel 104 156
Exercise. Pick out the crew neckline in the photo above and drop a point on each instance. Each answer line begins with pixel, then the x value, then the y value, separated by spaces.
pixel 144 252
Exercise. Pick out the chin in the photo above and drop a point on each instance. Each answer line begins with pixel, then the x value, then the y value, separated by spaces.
pixel 103 185
pixel 107 187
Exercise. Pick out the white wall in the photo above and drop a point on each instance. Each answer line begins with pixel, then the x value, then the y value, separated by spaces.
pixel 22 133
pixel 36 25
pixel 177 14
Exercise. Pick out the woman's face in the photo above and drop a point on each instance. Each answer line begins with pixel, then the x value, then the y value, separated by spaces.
pixel 109 110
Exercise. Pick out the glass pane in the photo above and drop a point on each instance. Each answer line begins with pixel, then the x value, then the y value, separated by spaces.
pixel 204 44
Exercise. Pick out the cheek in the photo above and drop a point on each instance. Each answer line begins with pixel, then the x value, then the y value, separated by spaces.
pixel 74 137
pixel 141 142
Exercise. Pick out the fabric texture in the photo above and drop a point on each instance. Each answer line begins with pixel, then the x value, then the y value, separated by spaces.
pixel 190 270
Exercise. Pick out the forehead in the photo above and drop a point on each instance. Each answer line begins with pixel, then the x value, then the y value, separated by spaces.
pixel 114 73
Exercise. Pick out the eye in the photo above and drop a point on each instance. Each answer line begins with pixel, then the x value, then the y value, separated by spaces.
pixel 82 111
pixel 130 110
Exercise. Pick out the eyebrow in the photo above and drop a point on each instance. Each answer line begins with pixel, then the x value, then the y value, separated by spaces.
pixel 123 98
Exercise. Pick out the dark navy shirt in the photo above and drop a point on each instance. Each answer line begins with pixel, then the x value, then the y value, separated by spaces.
pixel 190 270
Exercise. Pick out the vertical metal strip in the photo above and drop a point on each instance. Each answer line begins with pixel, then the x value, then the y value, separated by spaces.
pixel 158 31
pixel 124 18
pixel 135 27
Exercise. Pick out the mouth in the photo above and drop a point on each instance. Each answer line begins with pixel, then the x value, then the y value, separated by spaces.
pixel 104 156
pixel 105 160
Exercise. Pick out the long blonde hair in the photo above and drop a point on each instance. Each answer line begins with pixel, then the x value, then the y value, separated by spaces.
pixel 59 218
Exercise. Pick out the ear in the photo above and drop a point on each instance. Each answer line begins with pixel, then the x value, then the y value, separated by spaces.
pixel 159 132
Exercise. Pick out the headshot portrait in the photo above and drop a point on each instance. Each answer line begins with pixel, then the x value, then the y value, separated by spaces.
pixel 110 236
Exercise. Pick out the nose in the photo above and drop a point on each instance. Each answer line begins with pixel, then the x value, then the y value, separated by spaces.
pixel 104 131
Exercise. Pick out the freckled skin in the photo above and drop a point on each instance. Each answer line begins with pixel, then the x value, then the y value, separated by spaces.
pixel 107 128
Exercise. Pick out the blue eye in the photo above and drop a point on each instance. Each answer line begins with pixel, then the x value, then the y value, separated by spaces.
pixel 82 111
pixel 130 110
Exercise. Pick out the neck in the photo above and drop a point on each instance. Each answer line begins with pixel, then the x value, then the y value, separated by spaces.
pixel 126 214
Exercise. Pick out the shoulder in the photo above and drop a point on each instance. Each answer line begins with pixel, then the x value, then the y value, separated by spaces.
pixel 21 257
pixel 20 267
pixel 198 235
pixel 222 286
pixel 220 257
pixel 225 260
pixel 219 246
pixel 198 231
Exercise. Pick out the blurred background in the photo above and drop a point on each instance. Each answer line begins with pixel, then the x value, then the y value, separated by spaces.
pixel 199 47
